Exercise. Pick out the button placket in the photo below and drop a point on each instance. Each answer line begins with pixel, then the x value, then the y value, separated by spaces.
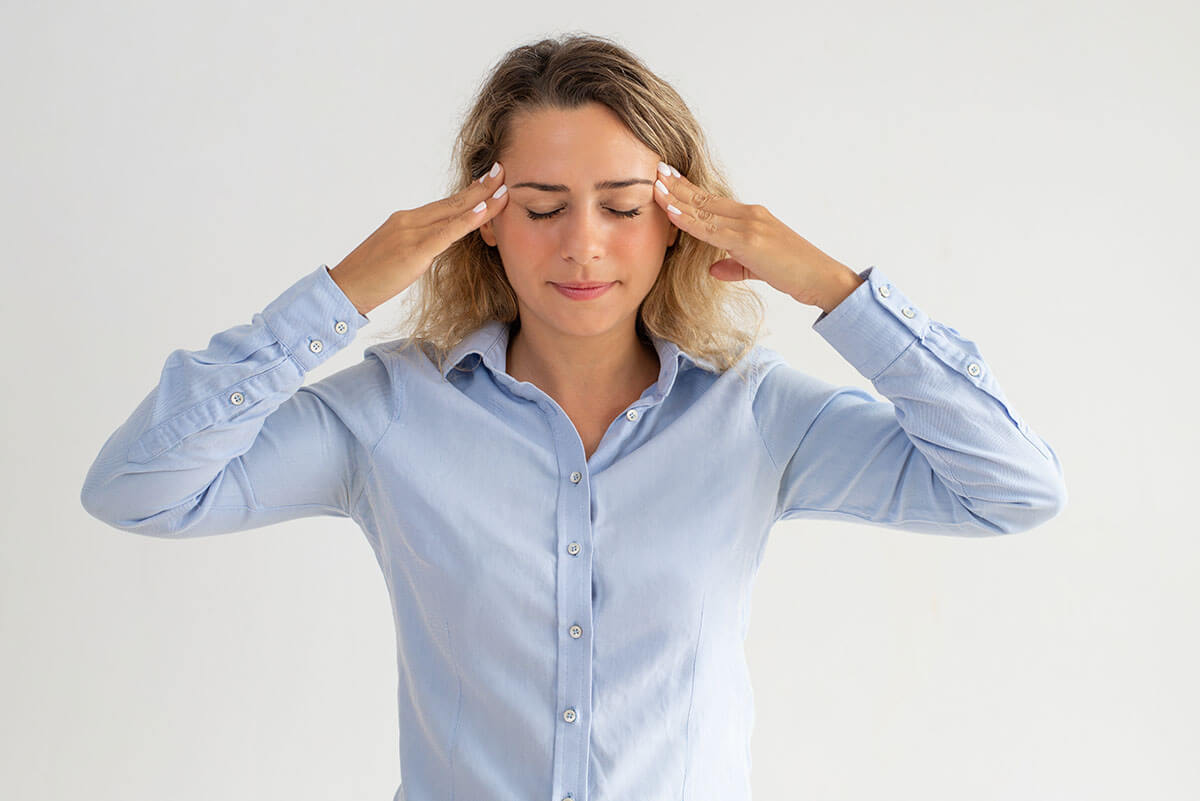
pixel 574 604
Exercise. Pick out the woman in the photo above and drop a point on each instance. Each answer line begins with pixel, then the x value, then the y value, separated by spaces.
pixel 569 490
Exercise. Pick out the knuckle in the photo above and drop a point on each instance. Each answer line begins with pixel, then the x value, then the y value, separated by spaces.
pixel 752 234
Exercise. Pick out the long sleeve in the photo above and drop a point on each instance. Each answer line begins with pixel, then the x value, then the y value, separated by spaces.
pixel 945 453
pixel 230 440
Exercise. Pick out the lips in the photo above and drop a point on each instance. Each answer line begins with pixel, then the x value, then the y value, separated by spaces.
pixel 575 293
pixel 592 285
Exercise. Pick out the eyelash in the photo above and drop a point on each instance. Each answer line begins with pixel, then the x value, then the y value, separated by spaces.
pixel 533 215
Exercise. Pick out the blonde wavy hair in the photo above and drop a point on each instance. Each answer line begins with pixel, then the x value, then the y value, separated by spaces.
pixel 465 286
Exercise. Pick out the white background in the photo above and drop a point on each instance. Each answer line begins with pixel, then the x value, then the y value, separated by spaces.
pixel 1026 172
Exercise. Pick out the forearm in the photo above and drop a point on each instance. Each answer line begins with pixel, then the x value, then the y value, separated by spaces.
pixel 838 282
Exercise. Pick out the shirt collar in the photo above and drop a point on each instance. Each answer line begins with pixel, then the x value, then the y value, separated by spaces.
pixel 489 344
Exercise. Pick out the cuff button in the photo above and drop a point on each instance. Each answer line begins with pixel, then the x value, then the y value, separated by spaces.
pixel 884 291
pixel 908 312
pixel 340 326
pixel 974 369
pixel 315 346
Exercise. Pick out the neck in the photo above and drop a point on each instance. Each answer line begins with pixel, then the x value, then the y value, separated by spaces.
pixel 575 370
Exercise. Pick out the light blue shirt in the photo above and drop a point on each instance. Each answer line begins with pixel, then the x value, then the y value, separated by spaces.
pixel 572 627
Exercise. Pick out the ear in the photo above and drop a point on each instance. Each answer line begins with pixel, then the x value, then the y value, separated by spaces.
pixel 674 236
pixel 488 233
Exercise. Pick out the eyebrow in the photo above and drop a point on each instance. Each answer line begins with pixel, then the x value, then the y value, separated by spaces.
pixel 600 185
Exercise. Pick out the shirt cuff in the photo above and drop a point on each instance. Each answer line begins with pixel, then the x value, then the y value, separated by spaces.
pixel 313 319
pixel 873 324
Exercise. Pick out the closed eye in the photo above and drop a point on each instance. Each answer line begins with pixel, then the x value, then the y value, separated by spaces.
pixel 533 215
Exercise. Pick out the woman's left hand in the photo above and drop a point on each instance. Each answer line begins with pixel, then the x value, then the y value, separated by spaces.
pixel 760 246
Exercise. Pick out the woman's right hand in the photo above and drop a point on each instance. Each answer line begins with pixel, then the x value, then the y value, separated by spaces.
pixel 393 257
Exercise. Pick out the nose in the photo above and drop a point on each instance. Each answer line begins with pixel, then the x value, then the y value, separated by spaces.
pixel 583 234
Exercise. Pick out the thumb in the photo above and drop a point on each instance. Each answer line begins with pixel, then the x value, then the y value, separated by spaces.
pixel 729 270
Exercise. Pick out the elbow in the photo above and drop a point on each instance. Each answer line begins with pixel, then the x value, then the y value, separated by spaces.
pixel 1055 501
pixel 106 503
pixel 1049 497
pixel 95 501
pixel 1020 507
pixel 1050 502
pixel 1038 507
pixel 100 505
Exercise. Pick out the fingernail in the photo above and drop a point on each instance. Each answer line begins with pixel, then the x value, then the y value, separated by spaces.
pixel 495 169
pixel 672 209
pixel 482 205
pixel 503 188
pixel 676 173
pixel 661 187
pixel 664 168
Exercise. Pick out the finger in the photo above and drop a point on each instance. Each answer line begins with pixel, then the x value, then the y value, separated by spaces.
pixel 701 221
pixel 730 270
pixel 464 199
pixel 449 230
pixel 680 187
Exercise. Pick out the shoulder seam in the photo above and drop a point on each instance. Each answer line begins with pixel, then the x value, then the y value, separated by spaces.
pixel 760 375
pixel 398 383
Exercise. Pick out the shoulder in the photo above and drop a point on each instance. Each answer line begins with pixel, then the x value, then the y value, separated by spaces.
pixel 369 394
pixel 781 391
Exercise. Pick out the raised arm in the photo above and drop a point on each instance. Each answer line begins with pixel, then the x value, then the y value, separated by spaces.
pixel 230 440
pixel 945 453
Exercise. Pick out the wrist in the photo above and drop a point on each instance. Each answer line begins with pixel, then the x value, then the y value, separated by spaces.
pixel 839 283
pixel 350 287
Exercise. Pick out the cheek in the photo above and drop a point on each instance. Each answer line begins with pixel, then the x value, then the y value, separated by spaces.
pixel 513 233
pixel 641 242
pixel 522 239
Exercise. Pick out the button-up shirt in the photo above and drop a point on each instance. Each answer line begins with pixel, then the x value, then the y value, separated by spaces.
pixel 572 627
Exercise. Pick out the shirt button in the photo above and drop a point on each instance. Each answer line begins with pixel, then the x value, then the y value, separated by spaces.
pixel 908 312
pixel 569 716
pixel 576 477
pixel 340 326
pixel 974 369
pixel 237 398
pixel 884 290
pixel 315 346
pixel 573 549
pixel 576 632
pixel 631 415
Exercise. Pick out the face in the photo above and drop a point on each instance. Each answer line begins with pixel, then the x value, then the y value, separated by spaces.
pixel 564 229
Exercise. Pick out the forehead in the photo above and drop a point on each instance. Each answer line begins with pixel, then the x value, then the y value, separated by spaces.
pixel 585 141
